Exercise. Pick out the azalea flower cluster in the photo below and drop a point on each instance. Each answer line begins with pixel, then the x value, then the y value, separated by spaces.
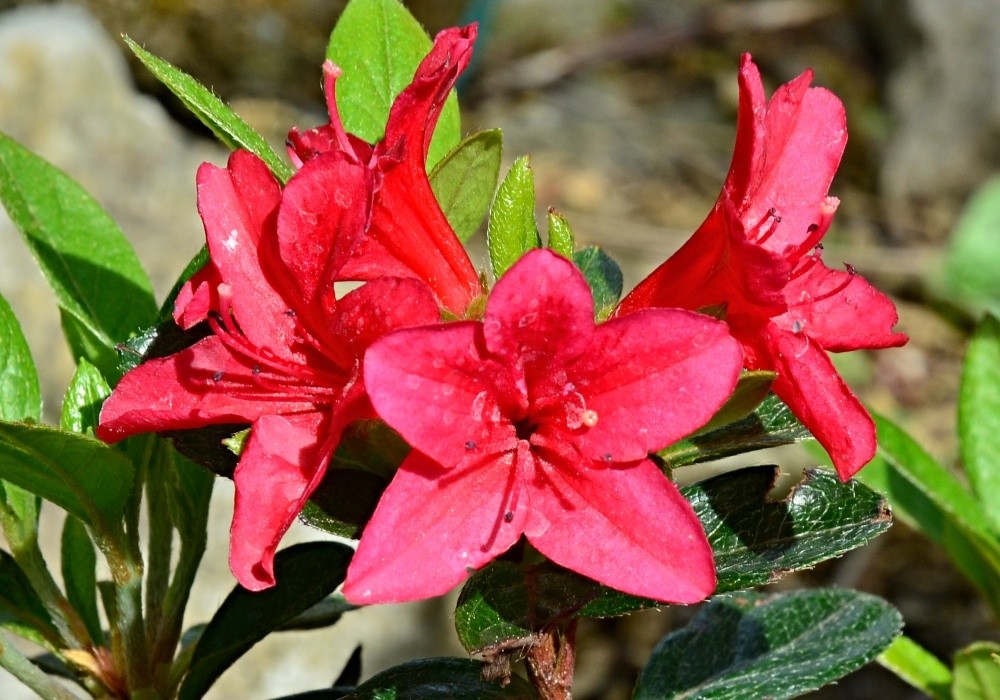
pixel 525 417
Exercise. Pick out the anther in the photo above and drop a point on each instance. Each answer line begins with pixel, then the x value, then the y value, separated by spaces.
pixel 218 376
pixel 470 445
pixel 606 457
pixel 508 516
pixel 256 369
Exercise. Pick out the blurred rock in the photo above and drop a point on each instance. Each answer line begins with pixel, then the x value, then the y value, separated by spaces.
pixel 945 101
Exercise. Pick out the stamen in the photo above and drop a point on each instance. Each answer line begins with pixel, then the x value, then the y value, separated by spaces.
pixel 852 272
pixel 771 219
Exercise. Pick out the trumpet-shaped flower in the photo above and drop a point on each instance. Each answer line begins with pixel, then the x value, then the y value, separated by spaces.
pixel 284 354
pixel 408 234
pixel 536 421
pixel 758 256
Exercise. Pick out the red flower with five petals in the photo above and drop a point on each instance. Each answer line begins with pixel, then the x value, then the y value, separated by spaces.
pixel 536 421
pixel 758 255
pixel 284 355
pixel 408 234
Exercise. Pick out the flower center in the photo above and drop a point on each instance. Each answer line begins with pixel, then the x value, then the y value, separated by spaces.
pixel 525 428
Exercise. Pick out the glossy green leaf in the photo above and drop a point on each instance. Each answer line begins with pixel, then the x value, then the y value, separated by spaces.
pixel 378 44
pixel 749 645
pixel 305 574
pixel 79 571
pixel 972 263
pixel 81 409
pixel 918 667
pixel 21 610
pixel 511 231
pixel 561 239
pixel 95 274
pixel 465 180
pixel 604 277
pixel 188 497
pixel 755 541
pixel 977 672
pixel 20 396
pixel 927 497
pixel 227 126
pixel 771 424
pixel 81 475
pixel 433 679
pixel 979 417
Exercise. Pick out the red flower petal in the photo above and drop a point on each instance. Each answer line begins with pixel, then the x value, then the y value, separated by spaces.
pixel 198 297
pixel 237 206
pixel 808 382
pixel 379 307
pixel 651 378
pixel 201 385
pixel 406 218
pixel 434 386
pixel 628 528
pixel 840 310
pixel 430 532
pixel 795 145
pixel 541 311
pixel 283 461
pixel 323 213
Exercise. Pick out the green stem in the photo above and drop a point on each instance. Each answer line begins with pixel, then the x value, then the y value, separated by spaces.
pixel 21 668
pixel 127 579
pixel 159 551
pixel 177 596
pixel 23 542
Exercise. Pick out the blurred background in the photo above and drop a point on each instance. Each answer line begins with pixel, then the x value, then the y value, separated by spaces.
pixel 627 108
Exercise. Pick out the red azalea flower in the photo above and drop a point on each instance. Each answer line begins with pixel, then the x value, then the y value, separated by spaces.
pixel 285 355
pixel 409 233
pixel 537 422
pixel 758 254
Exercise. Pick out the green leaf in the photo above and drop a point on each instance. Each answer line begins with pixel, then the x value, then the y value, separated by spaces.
pixel 770 425
pixel 464 181
pixel 86 259
pixel 979 417
pixel 81 475
pixel 755 541
pixel 977 672
pixel 432 679
pixel 81 409
pixel 510 231
pixel 227 126
pixel 749 645
pixel 918 667
pixel 926 496
pixel 561 238
pixel 79 562
pixel 21 610
pixel 305 575
pixel 20 396
pixel 604 277
pixel 378 44
pixel 972 263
